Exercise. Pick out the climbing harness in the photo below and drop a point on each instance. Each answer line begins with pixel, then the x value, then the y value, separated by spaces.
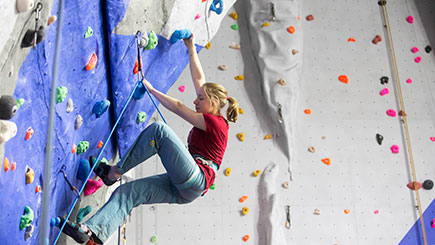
pixel 383 3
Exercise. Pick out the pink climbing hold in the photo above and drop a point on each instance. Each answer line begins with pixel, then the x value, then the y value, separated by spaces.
pixel 414 50
pixel 395 149
pixel 182 88
pixel 433 223
pixel 197 16
pixel 376 211
pixel 410 19
pixel 391 112
pixel 432 138
pixel 408 80
pixel 92 186
pixel 417 59
pixel 384 91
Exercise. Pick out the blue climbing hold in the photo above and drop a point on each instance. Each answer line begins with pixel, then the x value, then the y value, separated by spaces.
pixel 214 6
pixel 55 222
pixel 180 34
pixel 83 170
pixel 100 107
pixel 140 91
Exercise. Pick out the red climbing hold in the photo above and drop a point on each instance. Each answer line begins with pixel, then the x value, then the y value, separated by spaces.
pixel 92 62
pixel 326 161
pixel 376 39
pixel 136 67
pixel 343 79
pixel 351 39
pixel 13 166
pixel 38 189
pixel 29 133
pixel 414 185
pixel 100 144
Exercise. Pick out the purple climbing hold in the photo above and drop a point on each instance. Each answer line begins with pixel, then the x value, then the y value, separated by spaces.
pixel 100 107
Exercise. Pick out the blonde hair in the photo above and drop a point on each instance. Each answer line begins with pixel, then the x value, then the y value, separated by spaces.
pixel 216 92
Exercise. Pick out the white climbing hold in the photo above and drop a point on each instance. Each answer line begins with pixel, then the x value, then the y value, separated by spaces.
pixel 78 123
pixel 24 5
pixel 69 105
pixel 8 130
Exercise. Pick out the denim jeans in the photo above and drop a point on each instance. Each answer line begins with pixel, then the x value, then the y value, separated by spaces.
pixel 183 181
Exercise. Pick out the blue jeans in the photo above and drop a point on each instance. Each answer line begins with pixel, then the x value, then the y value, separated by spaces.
pixel 183 182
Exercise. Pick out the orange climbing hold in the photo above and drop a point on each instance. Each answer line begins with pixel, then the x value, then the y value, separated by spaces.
pixel 243 198
pixel 268 136
pixel 343 79
pixel 326 161
pixel 74 149
pixel 38 189
pixel 136 67
pixel 307 111
pixel 29 133
pixel 13 166
pixel 6 164
pixel 346 211
pixel 92 62
pixel 241 111
pixel 291 29
pixel 245 238
pixel 100 144
pixel 351 39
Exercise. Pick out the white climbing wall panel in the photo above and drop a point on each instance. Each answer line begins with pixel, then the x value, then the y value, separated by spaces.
pixel 363 176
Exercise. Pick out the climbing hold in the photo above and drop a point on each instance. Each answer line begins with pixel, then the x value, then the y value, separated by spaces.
pixel 213 186
pixel 414 185
pixel 61 93
pixel 92 62
pixel 323 137
pixel 326 161
pixel 235 27
pixel 153 239
pixel 92 186
pixel 351 39
pixel 376 212
pixel 29 37
pixel 6 164
pixel 428 184
pixel 78 122
pixel 29 232
pixel 402 113
pixel 343 78
pixel 376 39
pixel 395 149
pixel 433 223
pixel 243 198
pixel 245 210
pixel 234 15
pixel 182 88
pixel 241 111
pixel 13 166
pixel 256 172
pixel 100 107
pixel 83 169
pixel 227 172
pixel 197 16
pixel 11 71
pixel 26 218
pixel 316 211
pixel 285 185
pixel 235 46
pixel 384 91
pixel 29 133
pixel 241 136
pixel 414 50
pixel 239 77
pixel 82 213
pixel 417 59
pixel 82 147
pixel 51 20
pixel 312 149
pixel 346 211
pixel 152 41
pixel 281 81
pixel 245 238
pixel 379 139
pixel 69 105
pixel 20 102
pixel 89 32
pixel 307 111
pixel 178 35
pixel 217 6
pixel 410 19
pixel 141 117
pixel 74 148
pixel 294 51
pixel 24 5
pixel 8 107
pixel 30 175
pixel 432 139
pixel 100 144
pixel 384 80
pixel 268 136
pixel 38 189
pixel 309 17
pixel 222 67
pixel 265 24
pixel 291 29
pixel 409 80
pixel 208 45
pixel 8 130
pixel 136 67
pixel 391 112
pixel 428 49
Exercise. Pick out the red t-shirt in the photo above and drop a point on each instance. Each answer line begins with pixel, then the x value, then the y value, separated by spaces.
pixel 210 144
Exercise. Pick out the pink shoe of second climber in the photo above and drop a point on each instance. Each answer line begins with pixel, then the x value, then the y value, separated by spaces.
pixel 92 186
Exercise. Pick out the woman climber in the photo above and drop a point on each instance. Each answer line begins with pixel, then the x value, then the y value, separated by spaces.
pixel 189 172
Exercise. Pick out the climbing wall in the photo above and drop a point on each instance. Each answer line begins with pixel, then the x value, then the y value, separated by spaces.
pixel 360 196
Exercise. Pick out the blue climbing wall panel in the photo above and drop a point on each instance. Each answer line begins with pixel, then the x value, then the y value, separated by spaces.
pixel 415 235
pixel 162 66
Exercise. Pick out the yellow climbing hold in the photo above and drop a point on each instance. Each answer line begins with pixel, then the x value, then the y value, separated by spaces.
pixel 268 136
pixel 239 77
pixel 241 111
pixel 241 136
pixel 265 24
pixel 245 210
pixel 208 45
pixel 30 175
pixel 6 164
pixel 227 172
pixel 234 15
pixel 257 172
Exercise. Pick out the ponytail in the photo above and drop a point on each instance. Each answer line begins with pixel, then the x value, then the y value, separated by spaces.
pixel 233 110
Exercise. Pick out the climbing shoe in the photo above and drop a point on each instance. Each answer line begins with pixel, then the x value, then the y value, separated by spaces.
pixel 102 170
pixel 75 231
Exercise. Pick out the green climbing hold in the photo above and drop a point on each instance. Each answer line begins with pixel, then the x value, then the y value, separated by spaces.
pixel 212 186
pixel 82 147
pixel 141 117
pixel 154 239
pixel 61 93
pixel 27 218
pixel 89 32
pixel 82 213
pixel 235 27
pixel 104 160
pixel 20 102
pixel 152 41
